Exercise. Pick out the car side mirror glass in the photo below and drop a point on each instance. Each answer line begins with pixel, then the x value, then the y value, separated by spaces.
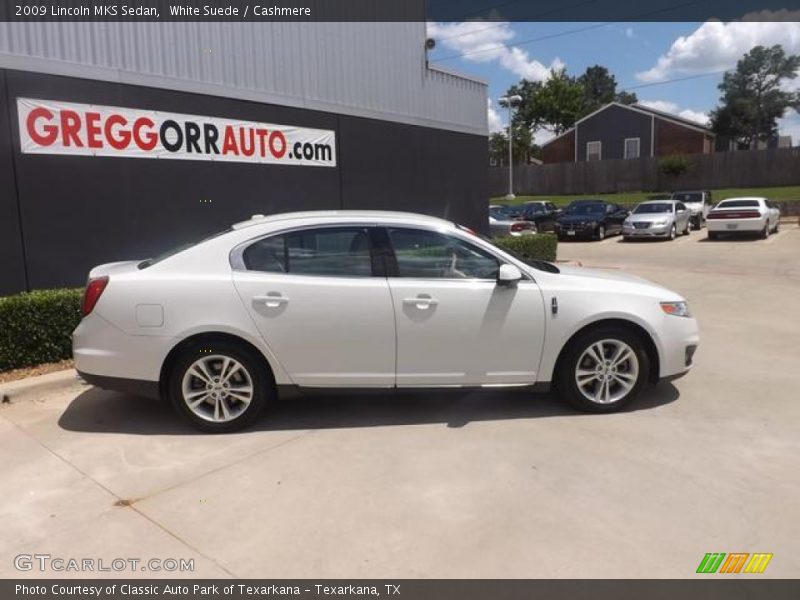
pixel 508 275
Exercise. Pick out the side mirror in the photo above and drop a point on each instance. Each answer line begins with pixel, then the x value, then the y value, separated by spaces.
pixel 508 275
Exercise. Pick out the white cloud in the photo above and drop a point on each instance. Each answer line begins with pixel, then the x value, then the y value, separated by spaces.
pixel 493 118
pixel 483 42
pixel 543 136
pixel 716 46
pixel 673 109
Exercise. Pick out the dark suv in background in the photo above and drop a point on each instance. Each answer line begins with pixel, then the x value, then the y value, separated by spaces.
pixel 590 219
pixel 699 202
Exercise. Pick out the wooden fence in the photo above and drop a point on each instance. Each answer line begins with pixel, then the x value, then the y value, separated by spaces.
pixel 744 168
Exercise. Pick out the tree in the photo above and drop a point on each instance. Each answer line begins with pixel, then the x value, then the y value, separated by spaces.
pixel 752 99
pixel 554 105
pixel 523 147
pixel 600 88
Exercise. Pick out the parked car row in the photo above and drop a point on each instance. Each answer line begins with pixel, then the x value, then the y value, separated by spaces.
pixel 665 217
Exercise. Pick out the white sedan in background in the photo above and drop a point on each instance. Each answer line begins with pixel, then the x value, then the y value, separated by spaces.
pixel 376 300
pixel 744 215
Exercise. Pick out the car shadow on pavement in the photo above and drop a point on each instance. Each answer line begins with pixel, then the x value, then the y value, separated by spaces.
pixel 101 411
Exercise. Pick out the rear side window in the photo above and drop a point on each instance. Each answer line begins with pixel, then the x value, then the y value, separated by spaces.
pixel 431 255
pixel 331 252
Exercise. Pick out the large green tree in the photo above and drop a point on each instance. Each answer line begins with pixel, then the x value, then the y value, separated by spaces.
pixel 752 98
pixel 600 88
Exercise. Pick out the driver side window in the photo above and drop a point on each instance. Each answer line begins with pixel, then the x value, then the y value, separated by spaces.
pixel 430 255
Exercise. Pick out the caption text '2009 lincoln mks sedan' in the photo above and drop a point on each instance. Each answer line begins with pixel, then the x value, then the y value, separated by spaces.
pixel 375 300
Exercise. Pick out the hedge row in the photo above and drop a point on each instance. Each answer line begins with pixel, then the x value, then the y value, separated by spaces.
pixel 541 246
pixel 36 327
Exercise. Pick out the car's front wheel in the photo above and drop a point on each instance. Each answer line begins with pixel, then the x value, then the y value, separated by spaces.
pixel 601 233
pixel 603 370
pixel 219 387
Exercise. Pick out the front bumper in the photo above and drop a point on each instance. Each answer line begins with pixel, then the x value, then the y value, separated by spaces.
pixel 679 341
pixel 648 232
pixel 574 233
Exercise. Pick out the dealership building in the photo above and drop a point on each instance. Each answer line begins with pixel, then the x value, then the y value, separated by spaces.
pixel 122 140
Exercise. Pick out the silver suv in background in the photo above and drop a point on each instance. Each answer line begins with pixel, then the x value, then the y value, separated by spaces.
pixel 698 202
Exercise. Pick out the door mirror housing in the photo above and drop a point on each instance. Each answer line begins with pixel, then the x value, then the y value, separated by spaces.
pixel 508 275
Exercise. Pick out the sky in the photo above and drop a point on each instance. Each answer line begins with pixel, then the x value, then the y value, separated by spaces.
pixel 645 58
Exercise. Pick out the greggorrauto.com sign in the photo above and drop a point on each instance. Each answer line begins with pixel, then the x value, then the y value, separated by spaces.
pixel 51 127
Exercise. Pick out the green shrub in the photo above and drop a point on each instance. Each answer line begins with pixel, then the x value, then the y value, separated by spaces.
pixel 675 165
pixel 36 327
pixel 542 246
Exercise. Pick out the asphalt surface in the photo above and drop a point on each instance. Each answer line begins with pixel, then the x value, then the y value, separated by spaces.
pixel 487 484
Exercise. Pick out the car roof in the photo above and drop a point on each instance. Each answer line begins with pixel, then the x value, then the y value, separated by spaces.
pixel 332 216
pixel 664 201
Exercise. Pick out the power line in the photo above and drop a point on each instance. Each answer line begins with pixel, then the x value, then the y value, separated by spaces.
pixel 570 31
pixel 535 17
pixel 674 80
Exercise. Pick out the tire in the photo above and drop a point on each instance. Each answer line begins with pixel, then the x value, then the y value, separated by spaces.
pixel 201 368
pixel 777 226
pixel 712 235
pixel 688 229
pixel 673 233
pixel 604 388
pixel 765 231
pixel 534 227
pixel 601 233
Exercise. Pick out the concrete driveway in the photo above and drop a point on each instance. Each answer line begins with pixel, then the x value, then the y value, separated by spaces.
pixel 449 485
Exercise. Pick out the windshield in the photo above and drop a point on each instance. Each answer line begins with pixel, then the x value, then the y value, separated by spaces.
pixel 586 208
pixel 660 207
pixel 533 209
pixel 164 255
pixel 688 197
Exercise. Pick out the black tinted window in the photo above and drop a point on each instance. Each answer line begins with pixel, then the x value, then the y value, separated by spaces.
pixel 738 203
pixel 332 252
pixel 431 255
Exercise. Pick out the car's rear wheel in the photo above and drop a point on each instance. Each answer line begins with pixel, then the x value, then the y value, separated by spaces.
pixel 219 386
pixel 603 370
pixel 765 231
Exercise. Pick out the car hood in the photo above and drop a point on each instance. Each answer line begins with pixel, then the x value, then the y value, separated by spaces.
pixel 613 280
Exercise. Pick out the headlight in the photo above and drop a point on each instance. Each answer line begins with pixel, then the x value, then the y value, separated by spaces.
pixel 676 309
pixel 660 222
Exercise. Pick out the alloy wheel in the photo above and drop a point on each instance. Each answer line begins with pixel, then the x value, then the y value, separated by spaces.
pixel 217 388
pixel 607 371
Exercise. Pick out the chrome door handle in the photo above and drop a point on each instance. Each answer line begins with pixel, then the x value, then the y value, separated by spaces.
pixel 421 302
pixel 272 301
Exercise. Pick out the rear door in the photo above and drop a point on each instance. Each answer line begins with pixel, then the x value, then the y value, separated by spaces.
pixel 455 325
pixel 320 300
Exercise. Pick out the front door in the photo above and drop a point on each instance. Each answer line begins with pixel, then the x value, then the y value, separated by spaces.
pixel 455 325
pixel 320 307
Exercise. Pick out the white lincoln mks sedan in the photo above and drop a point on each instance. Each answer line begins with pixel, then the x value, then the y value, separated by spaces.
pixel 380 300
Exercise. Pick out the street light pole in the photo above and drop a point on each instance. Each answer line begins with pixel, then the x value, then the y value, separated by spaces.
pixel 510 102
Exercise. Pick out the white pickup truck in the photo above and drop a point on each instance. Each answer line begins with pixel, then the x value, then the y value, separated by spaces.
pixel 698 202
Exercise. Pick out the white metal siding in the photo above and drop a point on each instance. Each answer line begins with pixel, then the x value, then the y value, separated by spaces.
pixel 374 70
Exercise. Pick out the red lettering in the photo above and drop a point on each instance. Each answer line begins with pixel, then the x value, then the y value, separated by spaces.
pixel 119 139
pixel 49 132
pixel 93 130
pixel 70 127
pixel 277 135
pixel 229 145
pixel 262 142
pixel 148 142
pixel 242 142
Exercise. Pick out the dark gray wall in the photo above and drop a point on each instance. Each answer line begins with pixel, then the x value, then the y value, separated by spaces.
pixel 79 211
pixel 745 168
pixel 611 127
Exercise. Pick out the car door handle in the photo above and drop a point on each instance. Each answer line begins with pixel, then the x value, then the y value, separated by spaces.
pixel 272 300
pixel 421 302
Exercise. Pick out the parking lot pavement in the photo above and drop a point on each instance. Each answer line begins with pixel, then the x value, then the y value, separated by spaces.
pixel 490 484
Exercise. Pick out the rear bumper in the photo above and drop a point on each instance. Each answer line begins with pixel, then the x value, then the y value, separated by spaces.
pixel 135 387
pixel 735 225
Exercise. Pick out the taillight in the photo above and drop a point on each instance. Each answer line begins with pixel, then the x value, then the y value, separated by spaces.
pixel 519 226
pixel 734 214
pixel 94 289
